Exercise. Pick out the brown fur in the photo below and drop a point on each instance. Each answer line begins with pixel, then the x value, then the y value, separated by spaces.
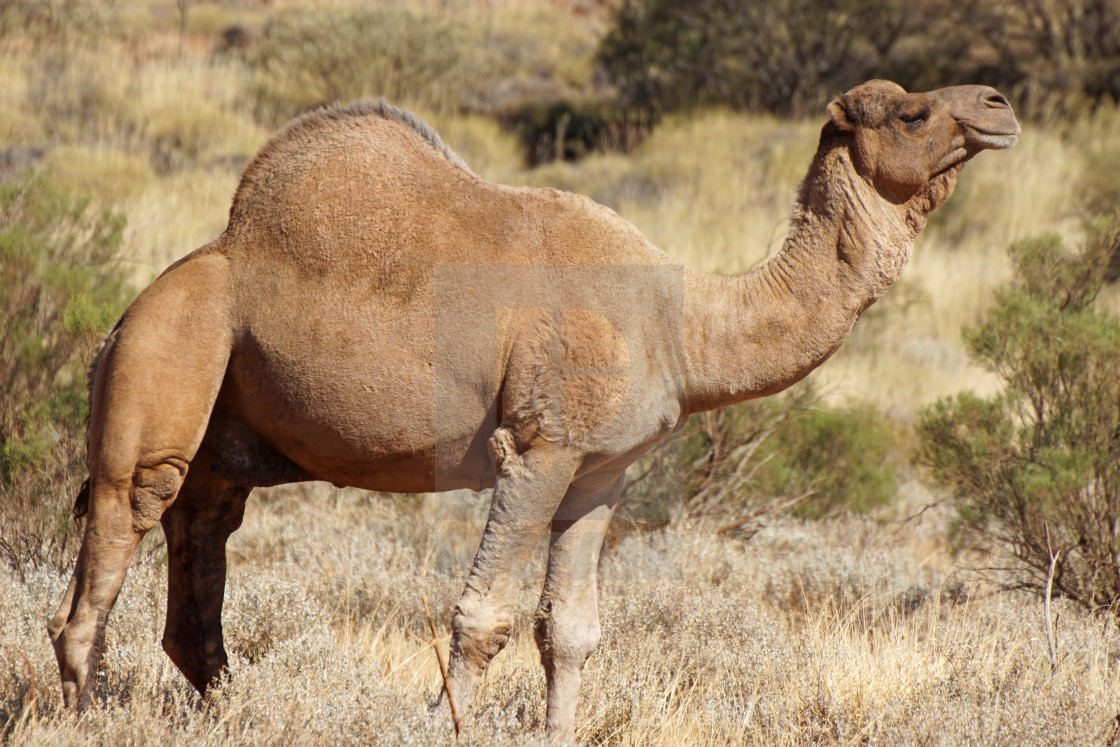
pixel 376 315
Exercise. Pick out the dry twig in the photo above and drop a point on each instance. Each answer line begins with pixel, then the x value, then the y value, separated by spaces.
pixel 768 508
pixel 1051 639
pixel 443 669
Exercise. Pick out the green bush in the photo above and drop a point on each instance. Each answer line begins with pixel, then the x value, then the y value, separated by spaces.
pixel 791 56
pixel 1037 467
pixel 60 291
pixel 840 458
pixel 529 69
pixel 560 130
pixel 778 450
pixel 785 56
pixel 303 61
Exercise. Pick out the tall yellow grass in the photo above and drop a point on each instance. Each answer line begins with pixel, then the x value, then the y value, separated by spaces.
pixel 844 632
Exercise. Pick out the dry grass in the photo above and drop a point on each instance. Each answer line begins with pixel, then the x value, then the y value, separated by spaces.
pixel 851 631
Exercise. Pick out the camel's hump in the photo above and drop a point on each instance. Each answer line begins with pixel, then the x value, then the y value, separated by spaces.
pixel 302 133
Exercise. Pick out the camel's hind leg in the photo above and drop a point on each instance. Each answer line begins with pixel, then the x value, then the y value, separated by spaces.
pixel 207 511
pixel 154 387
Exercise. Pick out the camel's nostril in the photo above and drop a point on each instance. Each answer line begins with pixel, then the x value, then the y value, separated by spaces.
pixel 997 101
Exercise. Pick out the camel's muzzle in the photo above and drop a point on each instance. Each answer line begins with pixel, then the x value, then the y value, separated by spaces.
pixel 985 116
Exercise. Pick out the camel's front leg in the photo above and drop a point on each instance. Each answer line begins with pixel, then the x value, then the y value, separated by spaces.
pixel 529 487
pixel 567 620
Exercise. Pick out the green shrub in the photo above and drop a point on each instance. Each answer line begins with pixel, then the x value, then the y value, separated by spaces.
pixel 786 56
pixel 303 61
pixel 791 56
pixel 1037 467
pixel 528 68
pixel 786 449
pixel 560 130
pixel 60 291
pixel 840 458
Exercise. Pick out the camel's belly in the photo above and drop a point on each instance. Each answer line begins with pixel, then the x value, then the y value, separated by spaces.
pixel 353 422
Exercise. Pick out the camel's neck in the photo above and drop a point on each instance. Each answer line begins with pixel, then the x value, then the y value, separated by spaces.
pixel 756 334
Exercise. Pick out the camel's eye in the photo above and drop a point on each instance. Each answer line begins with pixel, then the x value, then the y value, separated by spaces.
pixel 914 120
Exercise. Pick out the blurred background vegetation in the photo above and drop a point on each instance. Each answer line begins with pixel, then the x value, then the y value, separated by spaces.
pixel 791 56
pixel 59 294
pixel 124 127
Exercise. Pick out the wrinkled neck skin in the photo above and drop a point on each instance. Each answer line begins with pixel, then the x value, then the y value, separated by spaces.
pixel 756 334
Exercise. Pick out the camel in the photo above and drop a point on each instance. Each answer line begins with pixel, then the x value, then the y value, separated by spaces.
pixel 376 315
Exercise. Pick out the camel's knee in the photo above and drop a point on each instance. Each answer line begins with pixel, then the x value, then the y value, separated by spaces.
pixel 153 490
pixel 565 637
pixel 56 626
pixel 479 633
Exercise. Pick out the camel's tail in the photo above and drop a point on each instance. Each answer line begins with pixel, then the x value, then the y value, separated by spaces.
pixel 81 502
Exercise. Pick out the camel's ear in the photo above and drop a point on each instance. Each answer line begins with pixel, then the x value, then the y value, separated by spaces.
pixel 843 114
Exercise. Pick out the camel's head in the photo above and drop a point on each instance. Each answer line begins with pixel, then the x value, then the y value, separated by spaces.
pixel 903 141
